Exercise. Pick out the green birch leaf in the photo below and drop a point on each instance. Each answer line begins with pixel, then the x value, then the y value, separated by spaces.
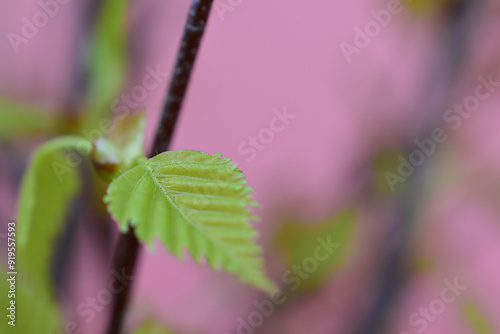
pixel 19 119
pixel 476 318
pixel 48 188
pixel 108 61
pixel 193 200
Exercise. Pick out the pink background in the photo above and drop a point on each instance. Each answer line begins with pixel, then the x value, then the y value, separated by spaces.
pixel 269 55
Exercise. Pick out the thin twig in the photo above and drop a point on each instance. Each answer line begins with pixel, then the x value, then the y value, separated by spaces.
pixel 128 247
pixel 193 32
pixel 393 264
pixel 125 260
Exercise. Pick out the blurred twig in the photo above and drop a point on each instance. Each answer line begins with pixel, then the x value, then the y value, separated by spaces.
pixel 393 263
pixel 64 249
pixel 128 247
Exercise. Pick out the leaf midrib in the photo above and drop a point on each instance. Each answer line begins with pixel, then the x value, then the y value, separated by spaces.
pixel 195 225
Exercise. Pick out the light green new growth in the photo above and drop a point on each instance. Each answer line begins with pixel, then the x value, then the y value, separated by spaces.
pixel 193 200
pixel 47 191
pixel 119 150
pixel 124 144
pixel 128 136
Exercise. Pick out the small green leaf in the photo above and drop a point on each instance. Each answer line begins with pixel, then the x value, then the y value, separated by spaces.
pixel 106 158
pixel 49 185
pixel 193 200
pixel 298 242
pixel 18 119
pixel 128 136
pixel 121 149
pixel 35 311
pixel 108 61
pixel 475 318
pixel 149 327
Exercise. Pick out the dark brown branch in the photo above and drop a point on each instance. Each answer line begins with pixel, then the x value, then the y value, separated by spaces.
pixel 125 259
pixel 193 32
pixel 128 247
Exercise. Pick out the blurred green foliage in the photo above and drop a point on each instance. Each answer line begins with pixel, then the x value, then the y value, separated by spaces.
pixel 475 318
pixel 384 162
pixel 425 6
pixel 52 179
pixel 107 61
pixel 149 327
pixel 298 242
pixel 22 119
pixel 36 311
pixel 47 191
